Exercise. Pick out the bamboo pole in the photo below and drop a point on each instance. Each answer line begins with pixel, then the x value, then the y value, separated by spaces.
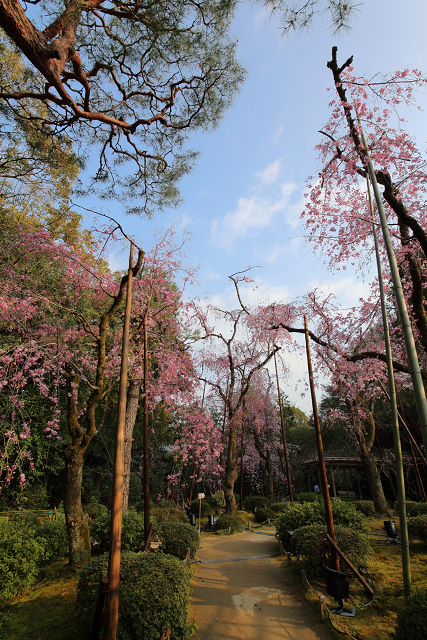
pixel 322 467
pixel 282 422
pixel 112 606
pixel 411 351
pixel 146 461
pixel 406 564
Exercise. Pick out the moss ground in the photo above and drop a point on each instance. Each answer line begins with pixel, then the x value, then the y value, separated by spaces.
pixel 45 612
pixel 385 569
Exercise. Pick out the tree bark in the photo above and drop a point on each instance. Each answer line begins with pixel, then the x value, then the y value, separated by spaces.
pixel 131 411
pixel 366 442
pixel 75 520
pixel 231 472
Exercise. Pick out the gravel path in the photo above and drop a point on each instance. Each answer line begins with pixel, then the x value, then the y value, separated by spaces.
pixel 241 592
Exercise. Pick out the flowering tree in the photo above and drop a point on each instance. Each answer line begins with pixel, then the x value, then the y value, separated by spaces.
pixel 60 315
pixel 231 358
pixel 336 213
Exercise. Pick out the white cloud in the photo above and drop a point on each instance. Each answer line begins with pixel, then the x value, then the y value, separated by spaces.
pixel 348 290
pixel 185 221
pixel 270 174
pixel 251 215
pixel 261 17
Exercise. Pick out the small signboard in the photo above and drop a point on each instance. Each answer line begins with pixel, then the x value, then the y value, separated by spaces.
pixel 200 496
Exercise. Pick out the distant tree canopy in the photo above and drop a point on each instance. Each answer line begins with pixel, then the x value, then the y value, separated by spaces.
pixel 128 78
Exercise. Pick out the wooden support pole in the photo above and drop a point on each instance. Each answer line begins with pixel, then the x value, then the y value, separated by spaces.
pixel 322 465
pixel 285 447
pixel 350 566
pixel 112 610
pixel 145 440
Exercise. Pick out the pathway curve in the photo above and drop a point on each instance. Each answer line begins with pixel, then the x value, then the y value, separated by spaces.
pixel 241 592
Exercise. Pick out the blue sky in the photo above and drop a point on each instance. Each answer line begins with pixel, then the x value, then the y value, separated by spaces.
pixel 242 201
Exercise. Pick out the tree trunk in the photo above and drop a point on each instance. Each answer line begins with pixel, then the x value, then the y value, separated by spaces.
pixel 374 480
pixel 231 471
pixel 270 482
pixel 131 411
pixel 76 523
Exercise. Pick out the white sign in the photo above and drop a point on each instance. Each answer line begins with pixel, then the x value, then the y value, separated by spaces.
pixel 200 496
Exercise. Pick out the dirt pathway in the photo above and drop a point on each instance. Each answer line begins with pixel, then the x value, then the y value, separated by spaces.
pixel 247 599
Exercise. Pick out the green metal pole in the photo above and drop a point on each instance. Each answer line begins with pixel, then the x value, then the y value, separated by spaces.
pixel 411 351
pixel 406 564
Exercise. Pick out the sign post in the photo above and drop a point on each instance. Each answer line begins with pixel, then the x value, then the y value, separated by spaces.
pixel 200 496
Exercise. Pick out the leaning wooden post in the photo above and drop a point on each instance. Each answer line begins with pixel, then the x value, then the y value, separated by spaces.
pixel 322 467
pixel 112 608
pixel 146 463
pixel 285 447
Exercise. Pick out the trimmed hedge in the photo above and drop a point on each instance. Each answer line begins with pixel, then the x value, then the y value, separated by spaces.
pixel 262 515
pixel 412 620
pixel 278 507
pixel 416 509
pixel 167 514
pixel 20 556
pixel 52 534
pixel 207 508
pixel 94 510
pixel 307 496
pixel 132 532
pixel 230 522
pixel 25 545
pixel 311 545
pixel 367 507
pixel 417 527
pixel 250 502
pixel 309 513
pixel 154 592
pixel 177 537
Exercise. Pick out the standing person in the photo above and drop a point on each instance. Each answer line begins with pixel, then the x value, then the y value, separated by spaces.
pixel 316 488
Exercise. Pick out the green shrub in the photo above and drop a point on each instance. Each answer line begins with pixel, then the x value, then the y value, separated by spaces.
pixel 366 507
pixel 412 620
pixel 410 504
pixel 218 501
pixel 417 527
pixel 154 592
pixel 416 509
pixel 95 509
pixel 308 513
pixel 250 502
pixel 207 509
pixel 311 545
pixel 52 535
pixel 234 523
pixel 307 496
pixel 262 515
pixel 20 554
pixel 177 537
pixel 278 507
pixel 135 489
pixel 167 514
pixel 132 532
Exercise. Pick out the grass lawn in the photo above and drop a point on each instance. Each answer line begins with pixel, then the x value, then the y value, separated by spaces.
pixel 46 611
pixel 376 621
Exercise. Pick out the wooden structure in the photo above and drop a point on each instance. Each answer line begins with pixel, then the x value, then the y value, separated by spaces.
pixel 333 463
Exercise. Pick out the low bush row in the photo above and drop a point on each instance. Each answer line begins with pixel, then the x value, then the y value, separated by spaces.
pixel 302 530
pixel 26 544
pixel 154 592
